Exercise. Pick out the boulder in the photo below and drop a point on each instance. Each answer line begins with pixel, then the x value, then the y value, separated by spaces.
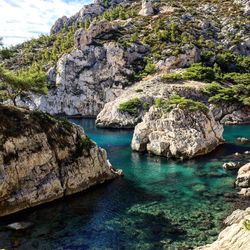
pixel 147 8
pixel 235 236
pixel 243 177
pixel 43 158
pixel 231 165
pixel 178 133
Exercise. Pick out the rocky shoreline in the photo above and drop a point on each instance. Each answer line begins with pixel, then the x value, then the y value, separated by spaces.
pixel 43 159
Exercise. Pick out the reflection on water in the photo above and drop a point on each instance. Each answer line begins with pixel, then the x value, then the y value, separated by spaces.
pixel 159 204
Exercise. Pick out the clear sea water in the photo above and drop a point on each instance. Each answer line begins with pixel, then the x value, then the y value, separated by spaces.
pixel 158 204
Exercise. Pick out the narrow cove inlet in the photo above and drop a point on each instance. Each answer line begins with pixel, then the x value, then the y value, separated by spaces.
pixel 158 204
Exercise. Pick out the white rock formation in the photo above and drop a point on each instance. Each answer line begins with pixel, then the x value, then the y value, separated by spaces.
pixel 43 159
pixel 243 180
pixel 90 76
pixel 147 8
pixel 235 236
pixel 146 90
pixel 178 133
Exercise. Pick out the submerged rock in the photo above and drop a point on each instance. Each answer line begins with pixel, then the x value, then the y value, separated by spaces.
pixel 178 133
pixel 43 159
pixel 17 226
pixel 235 235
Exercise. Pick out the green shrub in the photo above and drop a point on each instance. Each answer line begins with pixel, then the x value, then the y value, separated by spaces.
pixel 172 77
pixel 238 93
pixel 146 106
pixel 246 223
pixel 131 106
pixel 199 72
pixel 237 78
pixel 182 103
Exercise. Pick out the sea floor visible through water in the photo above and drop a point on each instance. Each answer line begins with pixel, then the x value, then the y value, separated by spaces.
pixel 158 204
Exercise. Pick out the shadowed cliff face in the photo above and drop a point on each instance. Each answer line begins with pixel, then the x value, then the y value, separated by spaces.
pixel 43 159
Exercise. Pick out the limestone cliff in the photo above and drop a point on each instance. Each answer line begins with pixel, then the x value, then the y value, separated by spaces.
pixel 179 133
pixel 43 159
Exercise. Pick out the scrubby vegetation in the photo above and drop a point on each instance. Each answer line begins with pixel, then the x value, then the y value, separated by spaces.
pixel 239 94
pixel 131 106
pixel 180 102
pixel 21 83
pixel 247 224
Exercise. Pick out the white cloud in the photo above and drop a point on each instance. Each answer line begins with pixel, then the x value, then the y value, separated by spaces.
pixel 23 19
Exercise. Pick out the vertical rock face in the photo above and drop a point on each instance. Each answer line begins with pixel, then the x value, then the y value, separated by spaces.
pixel 43 159
pixel 235 236
pixel 91 75
pixel 147 8
pixel 178 133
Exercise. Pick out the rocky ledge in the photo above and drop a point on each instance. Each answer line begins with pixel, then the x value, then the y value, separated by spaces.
pixel 178 133
pixel 147 91
pixel 236 236
pixel 43 159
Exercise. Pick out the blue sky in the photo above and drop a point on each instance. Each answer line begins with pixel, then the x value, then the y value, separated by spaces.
pixel 21 20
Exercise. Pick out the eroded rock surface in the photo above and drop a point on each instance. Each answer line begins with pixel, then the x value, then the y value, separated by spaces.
pixel 178 133
pixel 243 180
pixel 146 90
pixel 235 236
pixel 43 159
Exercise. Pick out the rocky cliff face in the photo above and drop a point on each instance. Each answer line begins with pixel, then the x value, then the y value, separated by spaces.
pixel 235 236
pixel 43 159
pixel 178 133
pixel 91 75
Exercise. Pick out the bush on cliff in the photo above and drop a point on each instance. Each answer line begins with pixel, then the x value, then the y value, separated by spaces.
pixel 131 106
pixel 180 102
pixel 14 85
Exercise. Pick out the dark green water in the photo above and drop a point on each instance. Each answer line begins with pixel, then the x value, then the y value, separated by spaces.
pixel 159 204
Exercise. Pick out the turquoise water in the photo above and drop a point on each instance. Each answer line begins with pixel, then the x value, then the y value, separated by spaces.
pixel 159 204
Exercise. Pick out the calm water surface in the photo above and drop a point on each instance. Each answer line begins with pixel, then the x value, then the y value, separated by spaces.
pixel 159 204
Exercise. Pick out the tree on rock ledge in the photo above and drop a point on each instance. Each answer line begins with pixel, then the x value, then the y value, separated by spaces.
pixel 18 84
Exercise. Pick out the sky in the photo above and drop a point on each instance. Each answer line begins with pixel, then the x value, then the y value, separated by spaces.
pixel 21 20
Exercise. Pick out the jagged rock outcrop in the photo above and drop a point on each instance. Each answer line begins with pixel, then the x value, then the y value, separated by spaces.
pixel 147 8
pixel 179 133
pixel 85 37
pixel 243 180
pixel 88 12
pixel 43 159
pixel 235 236
pixel 190 55
pixel 146 91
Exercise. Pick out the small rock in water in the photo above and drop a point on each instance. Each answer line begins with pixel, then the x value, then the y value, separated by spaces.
pixel 242 140
pixel 247 152
pixel 237 154
pixel 231 165
pixel 19 226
